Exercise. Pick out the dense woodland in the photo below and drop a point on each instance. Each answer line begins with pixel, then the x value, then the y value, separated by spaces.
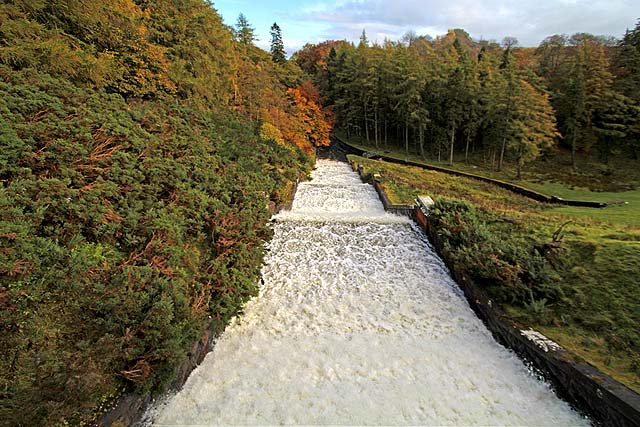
pixel 452 97
pixel 142 142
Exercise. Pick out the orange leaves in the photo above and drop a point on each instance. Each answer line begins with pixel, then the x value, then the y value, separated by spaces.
pixel 524 58
pixel 304 123
pixel 316 122
pixel 310 91
pixel 313 58
pixel 139 372
pixel 19 267
pixel 97 159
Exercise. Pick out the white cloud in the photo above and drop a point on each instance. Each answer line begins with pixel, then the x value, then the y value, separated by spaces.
pixel 528 20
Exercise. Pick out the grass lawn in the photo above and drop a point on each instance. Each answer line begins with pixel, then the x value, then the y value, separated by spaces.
pixel 598 316
pixel 552 176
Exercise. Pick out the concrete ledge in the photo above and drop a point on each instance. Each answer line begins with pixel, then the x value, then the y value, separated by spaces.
pixel 406 210
pixel 534 195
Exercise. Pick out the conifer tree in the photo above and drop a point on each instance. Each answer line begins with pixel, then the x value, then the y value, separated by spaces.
pixel 471 110
pixel 533 126
pixel 577 116
pixel 328 81
pixel 614 121
pixel 510 78
pixel 491 95
pixel 364 42
pixel 245 34
pixel 277 46
pixel 628 64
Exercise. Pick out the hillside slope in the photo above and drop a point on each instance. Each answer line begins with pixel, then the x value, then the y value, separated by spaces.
pixel 134 195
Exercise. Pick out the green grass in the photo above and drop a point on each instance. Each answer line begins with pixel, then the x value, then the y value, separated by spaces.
pixel 598 315
pixel 552 175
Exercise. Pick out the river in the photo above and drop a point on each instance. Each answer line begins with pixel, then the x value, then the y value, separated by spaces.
pixel 358 322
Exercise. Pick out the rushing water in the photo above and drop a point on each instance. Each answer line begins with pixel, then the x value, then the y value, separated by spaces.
pixel 358 322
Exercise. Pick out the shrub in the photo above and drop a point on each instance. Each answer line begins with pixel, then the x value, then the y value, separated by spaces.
pixel 508 265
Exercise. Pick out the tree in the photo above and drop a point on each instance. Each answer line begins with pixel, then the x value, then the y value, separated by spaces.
pixel 490 100
pixel 364 41
pixel 614 121
pixel 313 58
pixel 510 79
pixel 575 94
pixel 533 126
pixel 406 88
pixel 409 38
pixel 245 34
pixel 454 97
pixel 509 42
pixel 576 70
pixel 277 46
pixel 552 56
pixel 471 110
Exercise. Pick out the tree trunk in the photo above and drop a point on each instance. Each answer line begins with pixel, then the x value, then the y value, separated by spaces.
pixel 453 138
pixel 366 123
pixel 431 139
pixel 466 149
pixel 506 129
pixel 406 138
pixel 574 138
pixel 502 150
pixel 421 141
pixel 375 128
pixel 385 133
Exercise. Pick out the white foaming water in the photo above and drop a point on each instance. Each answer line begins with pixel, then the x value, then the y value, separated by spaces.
pixel 358 323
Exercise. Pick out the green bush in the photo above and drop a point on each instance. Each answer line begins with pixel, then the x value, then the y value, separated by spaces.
pixel 482 246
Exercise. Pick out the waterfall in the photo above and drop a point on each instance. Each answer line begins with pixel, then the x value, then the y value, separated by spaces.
pixel 358 322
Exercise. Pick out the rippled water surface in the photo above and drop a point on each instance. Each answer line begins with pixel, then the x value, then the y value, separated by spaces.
pixel 358 322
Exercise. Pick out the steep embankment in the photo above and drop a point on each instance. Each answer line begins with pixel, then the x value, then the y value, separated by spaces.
pixel 134 194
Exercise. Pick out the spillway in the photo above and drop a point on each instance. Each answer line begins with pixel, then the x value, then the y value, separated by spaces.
pixel 358 322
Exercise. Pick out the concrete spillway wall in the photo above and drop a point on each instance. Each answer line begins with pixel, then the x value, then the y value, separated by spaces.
pixel 606 401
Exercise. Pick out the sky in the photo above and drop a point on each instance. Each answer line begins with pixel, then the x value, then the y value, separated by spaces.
pixel 530 21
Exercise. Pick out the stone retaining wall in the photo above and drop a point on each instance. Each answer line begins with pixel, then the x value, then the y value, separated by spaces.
pixel 130 408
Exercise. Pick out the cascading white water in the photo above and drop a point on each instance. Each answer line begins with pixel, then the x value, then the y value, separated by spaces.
pixel 358 322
